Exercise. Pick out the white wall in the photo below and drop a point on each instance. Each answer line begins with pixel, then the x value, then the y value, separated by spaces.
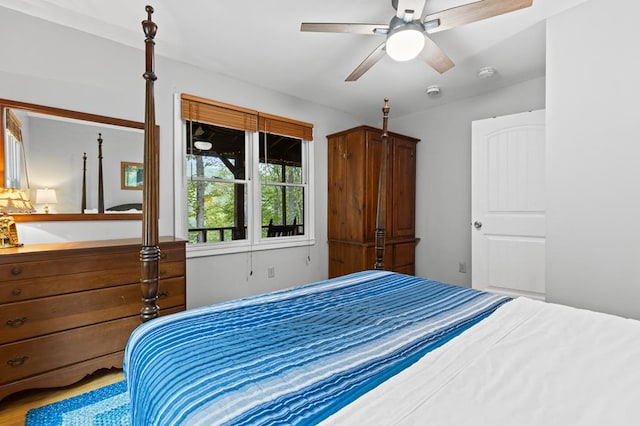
pixel 443 198
pixel 593 161
pixel 52 65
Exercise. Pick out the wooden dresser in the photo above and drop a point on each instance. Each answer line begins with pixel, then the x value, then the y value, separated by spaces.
pixel 67 309
pixel 353 170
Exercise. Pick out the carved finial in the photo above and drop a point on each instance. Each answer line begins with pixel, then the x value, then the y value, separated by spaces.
pixel 150 29
pixel 385 116
pixel 148 26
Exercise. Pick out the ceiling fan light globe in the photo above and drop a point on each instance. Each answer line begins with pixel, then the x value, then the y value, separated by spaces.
pixel 404 44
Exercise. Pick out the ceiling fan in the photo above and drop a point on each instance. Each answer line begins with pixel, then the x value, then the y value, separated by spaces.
pixel 407 35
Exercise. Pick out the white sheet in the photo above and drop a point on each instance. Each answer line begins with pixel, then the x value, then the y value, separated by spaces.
pixel 530 363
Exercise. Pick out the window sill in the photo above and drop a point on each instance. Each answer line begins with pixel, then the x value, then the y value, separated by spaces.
pixel 214 249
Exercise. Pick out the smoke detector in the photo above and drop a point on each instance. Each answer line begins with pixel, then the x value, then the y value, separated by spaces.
pixel 486 72
pixel 433 90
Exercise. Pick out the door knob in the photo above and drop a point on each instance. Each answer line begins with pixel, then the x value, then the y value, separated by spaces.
pixel 477 224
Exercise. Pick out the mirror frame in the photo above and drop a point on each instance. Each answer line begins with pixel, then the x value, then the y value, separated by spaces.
pixel 60 112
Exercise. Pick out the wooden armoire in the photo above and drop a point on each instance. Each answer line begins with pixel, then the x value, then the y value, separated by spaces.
pixel 353 171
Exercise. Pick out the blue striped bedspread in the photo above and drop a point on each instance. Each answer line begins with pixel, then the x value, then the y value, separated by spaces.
pixel 294 356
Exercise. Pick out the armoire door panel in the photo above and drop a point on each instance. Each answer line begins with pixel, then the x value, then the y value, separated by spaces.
pixel 404 188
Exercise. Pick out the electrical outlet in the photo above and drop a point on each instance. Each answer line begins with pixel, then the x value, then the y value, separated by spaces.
pixel 462 267
pixel 271 272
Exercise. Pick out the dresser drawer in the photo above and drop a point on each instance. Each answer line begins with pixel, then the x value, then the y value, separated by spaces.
pixel 18 290
pixel 33 356
pixel 170 269
pixel 171 293
pixel 25 289
pixel 22 320
pixel 88 261
pixel 172 252
pixel 65 265
pixel 37 317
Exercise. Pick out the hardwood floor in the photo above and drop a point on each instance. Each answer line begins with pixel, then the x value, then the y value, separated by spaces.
pixel 13 409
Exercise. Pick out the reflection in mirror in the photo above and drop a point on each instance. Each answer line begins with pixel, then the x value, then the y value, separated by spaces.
pixel 14 171
pixel 58 149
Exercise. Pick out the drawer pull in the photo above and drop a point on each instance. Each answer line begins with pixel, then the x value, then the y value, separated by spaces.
pixel 163 255
pixel 163 295
pixel 17 362
pixel 16 270
pixel 15 323
pixel 163 272
pixel 16 292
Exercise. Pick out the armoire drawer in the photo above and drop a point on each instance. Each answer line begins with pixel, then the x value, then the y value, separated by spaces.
pixel 404 254
pixel 33 356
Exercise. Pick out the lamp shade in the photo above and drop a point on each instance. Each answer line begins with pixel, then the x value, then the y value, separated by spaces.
pixel 46 196
pixel 14 201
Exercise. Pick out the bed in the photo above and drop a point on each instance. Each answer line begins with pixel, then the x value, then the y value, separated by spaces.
pixel 378 347
pixel 293 356
pixel 374 347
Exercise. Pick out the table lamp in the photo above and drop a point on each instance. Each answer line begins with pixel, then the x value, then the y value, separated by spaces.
pixel 46 196
pixel 11 201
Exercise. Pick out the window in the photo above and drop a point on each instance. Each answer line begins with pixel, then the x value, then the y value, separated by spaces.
pixel 282 185
pixel 247 177
pixel 217 185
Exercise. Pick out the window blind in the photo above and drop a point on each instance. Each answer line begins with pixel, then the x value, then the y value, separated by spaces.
pixel 208 111
pixel 285 126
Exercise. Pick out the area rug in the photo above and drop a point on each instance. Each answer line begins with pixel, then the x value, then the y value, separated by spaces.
pixel 106 406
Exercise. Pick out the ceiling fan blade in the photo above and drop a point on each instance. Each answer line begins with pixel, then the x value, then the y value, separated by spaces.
pixel 416 5
pixel 370 61
pixel 324 27
pixel 472 12
pixel 435 57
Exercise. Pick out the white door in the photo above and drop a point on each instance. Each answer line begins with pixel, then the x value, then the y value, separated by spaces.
pixel 508 204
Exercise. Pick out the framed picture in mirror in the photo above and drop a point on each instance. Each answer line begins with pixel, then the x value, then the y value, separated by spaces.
pixel 131 175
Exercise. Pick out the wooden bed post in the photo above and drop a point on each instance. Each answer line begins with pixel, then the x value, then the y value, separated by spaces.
pixel 382 191
pixel 100 179
pixel 84 183
pixel 150 252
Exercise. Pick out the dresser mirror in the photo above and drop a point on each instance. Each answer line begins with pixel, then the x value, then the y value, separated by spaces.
pixel 69 162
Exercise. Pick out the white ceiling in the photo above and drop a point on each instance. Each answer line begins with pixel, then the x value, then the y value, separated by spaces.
pixel 260 42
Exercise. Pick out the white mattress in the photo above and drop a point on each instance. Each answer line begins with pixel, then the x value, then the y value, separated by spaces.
pixel 530 363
